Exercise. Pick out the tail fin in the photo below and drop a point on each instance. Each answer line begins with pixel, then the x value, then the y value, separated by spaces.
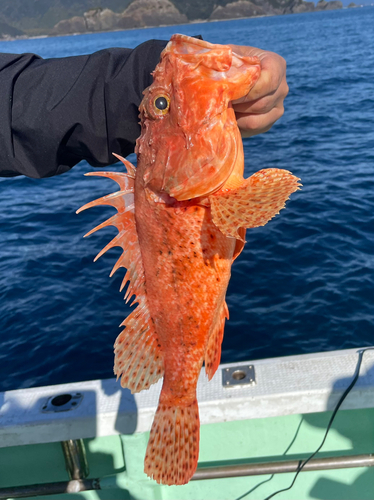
pixel 173 447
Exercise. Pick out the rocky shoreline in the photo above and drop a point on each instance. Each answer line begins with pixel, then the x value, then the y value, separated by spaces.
pixel 146 13
pixel 154 13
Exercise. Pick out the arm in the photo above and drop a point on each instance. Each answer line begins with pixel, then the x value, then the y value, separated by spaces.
pixel 57 112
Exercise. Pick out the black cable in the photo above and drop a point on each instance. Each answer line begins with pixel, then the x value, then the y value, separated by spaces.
pixel 342 398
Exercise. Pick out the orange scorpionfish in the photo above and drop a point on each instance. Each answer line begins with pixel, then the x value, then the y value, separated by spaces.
pixel 181 222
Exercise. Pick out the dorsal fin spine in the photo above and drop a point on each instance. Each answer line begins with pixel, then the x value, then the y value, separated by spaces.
pixel 137 359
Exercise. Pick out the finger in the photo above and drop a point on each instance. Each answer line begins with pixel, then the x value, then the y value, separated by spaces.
pixel 251 125
pixel 263 104
pixel 273 73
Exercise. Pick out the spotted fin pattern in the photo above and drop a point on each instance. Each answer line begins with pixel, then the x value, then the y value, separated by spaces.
pixel 137 360
pixel 254 203
pixel 137 354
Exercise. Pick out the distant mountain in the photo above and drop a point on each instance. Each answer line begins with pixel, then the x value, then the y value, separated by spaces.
pixel 41 15
pixel 7 31
pixel 38 17
pixel 138 14
pixel 358 3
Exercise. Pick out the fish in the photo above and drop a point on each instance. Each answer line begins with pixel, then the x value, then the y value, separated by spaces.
pixel 182 215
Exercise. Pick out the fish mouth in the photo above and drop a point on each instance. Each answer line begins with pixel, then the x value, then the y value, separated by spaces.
pixel 206 161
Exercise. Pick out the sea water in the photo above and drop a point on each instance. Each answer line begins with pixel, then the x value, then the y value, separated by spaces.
pixel 304 282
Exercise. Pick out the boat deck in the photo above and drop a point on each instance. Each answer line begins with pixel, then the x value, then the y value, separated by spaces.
pixel 281 416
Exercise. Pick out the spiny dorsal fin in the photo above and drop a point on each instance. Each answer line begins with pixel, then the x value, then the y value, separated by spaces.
pixel 117 199
pixel 254 203
pixel 131 170
pixel 137 353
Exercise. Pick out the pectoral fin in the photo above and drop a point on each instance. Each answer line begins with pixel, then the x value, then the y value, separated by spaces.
pixel 254 203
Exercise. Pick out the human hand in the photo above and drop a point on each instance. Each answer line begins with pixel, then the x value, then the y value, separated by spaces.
pixel 257 112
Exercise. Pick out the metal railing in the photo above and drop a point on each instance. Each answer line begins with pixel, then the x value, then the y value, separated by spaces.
pixel 77 467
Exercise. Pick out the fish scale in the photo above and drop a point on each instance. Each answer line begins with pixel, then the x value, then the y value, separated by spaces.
pixel 187 269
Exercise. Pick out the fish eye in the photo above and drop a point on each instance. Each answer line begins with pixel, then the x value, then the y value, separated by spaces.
pixel 161 103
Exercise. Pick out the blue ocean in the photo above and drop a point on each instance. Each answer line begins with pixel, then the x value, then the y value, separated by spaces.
pixel 305 281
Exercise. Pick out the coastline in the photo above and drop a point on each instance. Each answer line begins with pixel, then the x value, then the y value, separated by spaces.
pixel 194 21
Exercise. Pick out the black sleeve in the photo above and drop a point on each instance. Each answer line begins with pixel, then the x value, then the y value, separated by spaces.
pixel 57 112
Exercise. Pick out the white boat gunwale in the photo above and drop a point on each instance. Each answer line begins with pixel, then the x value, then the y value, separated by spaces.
pixel 306 383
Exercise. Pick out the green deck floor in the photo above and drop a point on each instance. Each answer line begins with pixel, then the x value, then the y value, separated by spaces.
pixel 120 460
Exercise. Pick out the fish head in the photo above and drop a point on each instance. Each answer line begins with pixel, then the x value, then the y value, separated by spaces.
pixel 190 142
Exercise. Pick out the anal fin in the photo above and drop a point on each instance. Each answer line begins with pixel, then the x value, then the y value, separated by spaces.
pixel 213 348
pixel 254 203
